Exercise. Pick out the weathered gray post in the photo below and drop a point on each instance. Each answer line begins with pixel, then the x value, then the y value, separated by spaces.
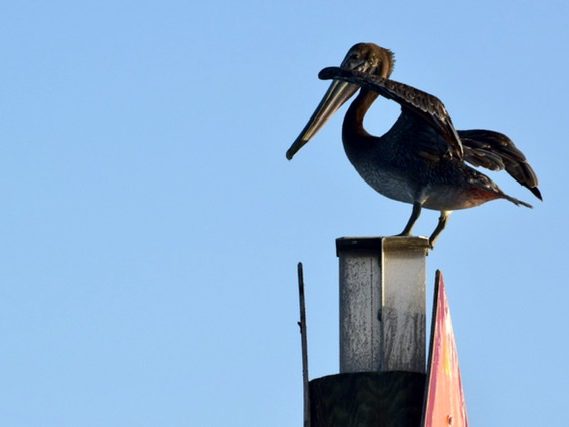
pixel 382 304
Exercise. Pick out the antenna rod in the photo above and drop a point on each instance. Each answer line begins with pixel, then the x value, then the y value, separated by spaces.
pixel 304 343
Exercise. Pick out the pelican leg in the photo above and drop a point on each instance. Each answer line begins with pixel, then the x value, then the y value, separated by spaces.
pixel 440 227
pixel 412 219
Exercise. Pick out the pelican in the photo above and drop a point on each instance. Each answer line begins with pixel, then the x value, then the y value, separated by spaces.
pixel 422 159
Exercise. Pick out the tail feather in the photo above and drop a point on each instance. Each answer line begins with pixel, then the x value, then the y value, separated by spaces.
pixel 517 202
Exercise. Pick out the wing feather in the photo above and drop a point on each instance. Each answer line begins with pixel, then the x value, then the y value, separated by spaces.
pixel 495 151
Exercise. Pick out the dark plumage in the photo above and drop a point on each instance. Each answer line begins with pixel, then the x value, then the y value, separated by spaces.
pixel 421 159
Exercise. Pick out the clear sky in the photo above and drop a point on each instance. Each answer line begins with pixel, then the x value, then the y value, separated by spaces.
pixel 150 223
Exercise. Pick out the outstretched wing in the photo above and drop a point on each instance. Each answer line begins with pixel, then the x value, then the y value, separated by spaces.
pixel 428 107
pixel 484 148
pixel 495 151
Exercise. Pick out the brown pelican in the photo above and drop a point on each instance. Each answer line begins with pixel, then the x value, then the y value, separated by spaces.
pixel 421 159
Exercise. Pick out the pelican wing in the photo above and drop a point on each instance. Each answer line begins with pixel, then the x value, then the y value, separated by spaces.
pixel 495 151
pixel 428 107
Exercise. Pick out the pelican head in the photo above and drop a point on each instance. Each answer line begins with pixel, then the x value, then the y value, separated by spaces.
pixel 365 57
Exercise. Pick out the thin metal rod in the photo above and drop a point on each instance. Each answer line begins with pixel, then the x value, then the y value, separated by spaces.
pixel 304 343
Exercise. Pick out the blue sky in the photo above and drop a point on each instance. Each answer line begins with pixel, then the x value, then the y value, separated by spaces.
pixel 151 225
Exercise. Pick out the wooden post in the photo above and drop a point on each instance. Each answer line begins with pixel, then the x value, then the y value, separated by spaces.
pixel 382 304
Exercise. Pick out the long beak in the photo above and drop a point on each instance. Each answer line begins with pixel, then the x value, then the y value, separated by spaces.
pixel 338 93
